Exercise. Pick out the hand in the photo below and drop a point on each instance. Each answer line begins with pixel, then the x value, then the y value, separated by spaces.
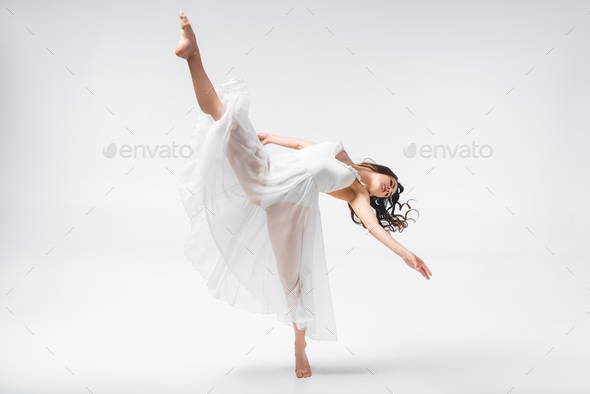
pixel 416 263
pixel 265 138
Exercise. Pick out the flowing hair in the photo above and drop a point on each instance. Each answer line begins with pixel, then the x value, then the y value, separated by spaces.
pixel 385 206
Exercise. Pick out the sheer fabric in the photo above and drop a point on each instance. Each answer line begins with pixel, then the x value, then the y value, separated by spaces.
pixel 256 233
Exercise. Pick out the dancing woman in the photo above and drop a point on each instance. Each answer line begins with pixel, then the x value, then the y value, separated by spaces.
pixel 256 233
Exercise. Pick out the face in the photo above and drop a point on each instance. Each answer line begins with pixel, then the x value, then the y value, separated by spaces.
pixel 383 186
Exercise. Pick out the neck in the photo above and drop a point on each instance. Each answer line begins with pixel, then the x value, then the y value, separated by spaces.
pixel 364 173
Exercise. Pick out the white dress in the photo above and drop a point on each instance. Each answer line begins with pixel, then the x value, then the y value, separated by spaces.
pixel 256 233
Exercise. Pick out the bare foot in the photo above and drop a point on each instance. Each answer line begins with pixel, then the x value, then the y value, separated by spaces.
pixel 302 368
pixel 187 45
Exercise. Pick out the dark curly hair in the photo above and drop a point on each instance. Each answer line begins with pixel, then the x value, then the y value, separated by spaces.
pixel 385 206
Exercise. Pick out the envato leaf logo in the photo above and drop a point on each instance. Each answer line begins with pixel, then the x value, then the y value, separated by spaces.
pixel 110 151
pixel 164 151
pixel 472 151
pixel 410 150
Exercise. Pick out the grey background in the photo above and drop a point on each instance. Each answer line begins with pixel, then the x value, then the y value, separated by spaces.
pixel 98 295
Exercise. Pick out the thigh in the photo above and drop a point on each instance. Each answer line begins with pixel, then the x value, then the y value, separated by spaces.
pixel 285 221
pixel 249 160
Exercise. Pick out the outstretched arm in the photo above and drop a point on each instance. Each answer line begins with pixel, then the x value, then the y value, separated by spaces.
pixel 288 142
pixel 361 206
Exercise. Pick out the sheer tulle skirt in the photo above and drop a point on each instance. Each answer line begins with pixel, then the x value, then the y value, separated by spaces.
pixel 256 234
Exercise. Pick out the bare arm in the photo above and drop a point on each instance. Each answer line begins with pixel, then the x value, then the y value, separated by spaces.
pixel 288 142
pixel 361 206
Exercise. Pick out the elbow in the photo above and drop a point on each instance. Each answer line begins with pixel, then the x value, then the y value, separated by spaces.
pixel 372 227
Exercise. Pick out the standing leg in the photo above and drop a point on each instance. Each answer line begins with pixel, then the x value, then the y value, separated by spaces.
pixel 302 368
pixel 285 222
pixel 188 49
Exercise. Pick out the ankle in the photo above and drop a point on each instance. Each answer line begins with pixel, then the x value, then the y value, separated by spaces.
pixel 195 55
pixel 300 344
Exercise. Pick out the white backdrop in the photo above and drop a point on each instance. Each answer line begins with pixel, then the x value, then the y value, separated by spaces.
pixel 98 294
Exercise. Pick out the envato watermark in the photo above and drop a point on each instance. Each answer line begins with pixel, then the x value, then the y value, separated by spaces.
pixel 460 151
pixel 163 151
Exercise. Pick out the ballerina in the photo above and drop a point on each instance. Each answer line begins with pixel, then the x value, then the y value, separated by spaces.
pixel 256 233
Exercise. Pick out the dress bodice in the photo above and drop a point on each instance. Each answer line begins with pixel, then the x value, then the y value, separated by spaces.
pixel 329 173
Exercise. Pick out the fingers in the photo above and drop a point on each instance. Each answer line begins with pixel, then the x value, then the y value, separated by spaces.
pixel 423 271
pixel 421 267
pixel 425 266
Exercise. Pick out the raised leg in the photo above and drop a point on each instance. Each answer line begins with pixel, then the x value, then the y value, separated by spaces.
pixel 245 152
pixel 249 160
pixel 188 49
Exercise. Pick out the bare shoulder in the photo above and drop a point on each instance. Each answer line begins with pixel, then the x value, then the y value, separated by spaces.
pixel 351 193
pixel 360 202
